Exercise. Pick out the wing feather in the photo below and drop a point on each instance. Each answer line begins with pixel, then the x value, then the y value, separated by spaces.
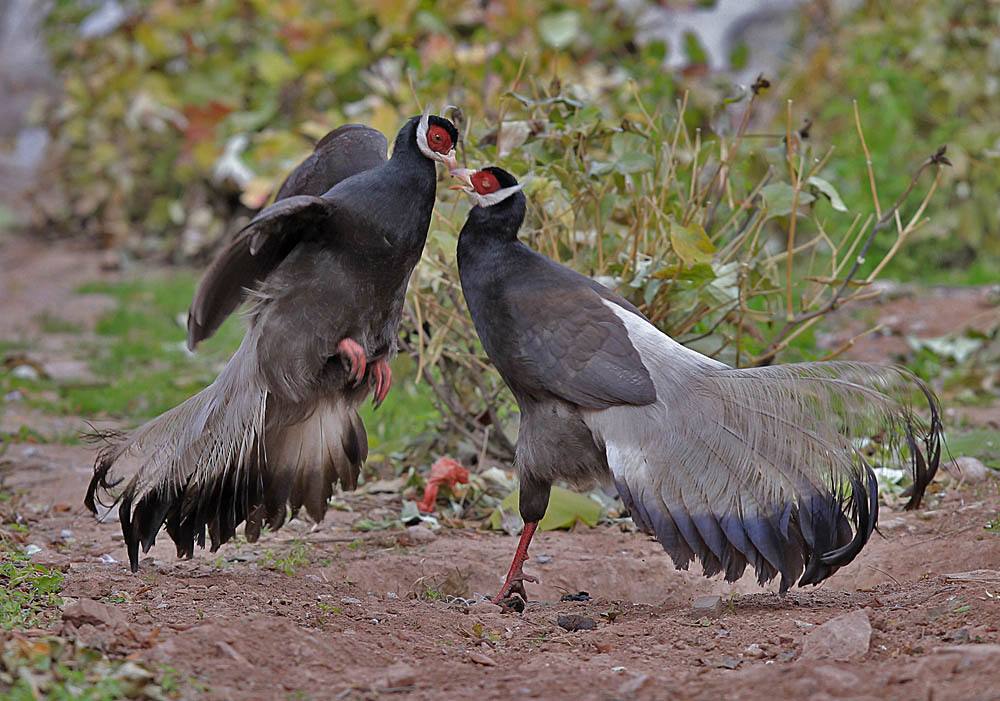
pixel 256 250
pixel 763 466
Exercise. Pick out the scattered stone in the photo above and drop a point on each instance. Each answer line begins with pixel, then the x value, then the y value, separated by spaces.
pixel 755 651
pixel 32 549
pixel 52 560
pixel 485 606
pixel 618 670
pixel 350 600
pixel 574 622
pixel 88 611
pixel 635 685
pixel 25 372
pixel 417 535
pixel 108 559
pixel 543 559
pixel 706 606
pixel 842 638
pixel 959 636
pixel 724 662
pixel 805 625
pixel 603 646
pixel 480 658
pixel 579 596
pixel 968 469
pixel 398 676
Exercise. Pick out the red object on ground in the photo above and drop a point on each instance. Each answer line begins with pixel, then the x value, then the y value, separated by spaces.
pixel 444 471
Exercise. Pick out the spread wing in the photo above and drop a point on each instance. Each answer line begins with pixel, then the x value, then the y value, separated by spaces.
pixel 567 341
pixel 256 250
pixel 344 152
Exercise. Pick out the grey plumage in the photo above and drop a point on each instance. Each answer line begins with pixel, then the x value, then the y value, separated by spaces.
pixel 279 427
pixel 758 466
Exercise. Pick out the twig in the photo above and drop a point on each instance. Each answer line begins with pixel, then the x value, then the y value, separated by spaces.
pixel 936 159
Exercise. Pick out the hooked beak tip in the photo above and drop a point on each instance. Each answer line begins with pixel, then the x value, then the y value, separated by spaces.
pixel 465 176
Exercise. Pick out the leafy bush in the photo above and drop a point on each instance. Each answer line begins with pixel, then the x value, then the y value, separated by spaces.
pixel 695 229
pixel 735 244
pixel 925 76
pixel 186 107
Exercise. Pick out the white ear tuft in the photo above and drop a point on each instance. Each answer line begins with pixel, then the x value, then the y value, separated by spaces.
pixel 496 197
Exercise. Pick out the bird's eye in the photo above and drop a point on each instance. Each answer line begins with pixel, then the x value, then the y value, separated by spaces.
pixel 438 139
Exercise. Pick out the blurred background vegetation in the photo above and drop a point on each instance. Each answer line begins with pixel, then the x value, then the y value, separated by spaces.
pixel 732 208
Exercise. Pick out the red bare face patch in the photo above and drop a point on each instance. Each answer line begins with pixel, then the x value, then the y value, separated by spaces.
pixel 438 139
pixel 485 182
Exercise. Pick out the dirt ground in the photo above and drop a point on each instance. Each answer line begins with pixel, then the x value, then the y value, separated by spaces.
pixel 352 618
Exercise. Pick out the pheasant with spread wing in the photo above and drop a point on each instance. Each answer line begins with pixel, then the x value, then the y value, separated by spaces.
pixel 324 270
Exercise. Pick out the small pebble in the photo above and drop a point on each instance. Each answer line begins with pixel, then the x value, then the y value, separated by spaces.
pixel 25 372
pixel 574 622
pixel 485 606
pixel 706 606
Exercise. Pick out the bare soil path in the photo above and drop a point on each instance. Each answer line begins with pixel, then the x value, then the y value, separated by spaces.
pixel 326 612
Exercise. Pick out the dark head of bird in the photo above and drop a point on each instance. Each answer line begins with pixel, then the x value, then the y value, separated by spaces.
pixel 435 138
pixel 499 203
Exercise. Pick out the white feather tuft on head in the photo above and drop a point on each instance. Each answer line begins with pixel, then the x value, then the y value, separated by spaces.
pixel 495 197
pixel 422 128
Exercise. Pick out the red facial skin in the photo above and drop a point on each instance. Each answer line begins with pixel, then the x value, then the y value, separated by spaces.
pixel 485 182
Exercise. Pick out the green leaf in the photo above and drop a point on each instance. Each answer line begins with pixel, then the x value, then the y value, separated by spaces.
pixel 779 196
pixel 565 509
pixel 633 154
pixel 634 162
pixel 830 191
pixel 559 29
pixel 691 243
pixel 275 68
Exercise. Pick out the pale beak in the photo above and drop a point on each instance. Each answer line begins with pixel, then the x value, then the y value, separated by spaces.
pixel 450 160
pixel 465 175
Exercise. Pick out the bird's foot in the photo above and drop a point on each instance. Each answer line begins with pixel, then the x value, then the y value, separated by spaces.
pixel 514 587
pixel 356 360
pixel 382 375
pixel 514 584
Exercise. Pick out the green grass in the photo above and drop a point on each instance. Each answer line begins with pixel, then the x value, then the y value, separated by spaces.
pixel 52 323
pixel 982 443
pixel 143 368
pixel 27 591
pixel 289 562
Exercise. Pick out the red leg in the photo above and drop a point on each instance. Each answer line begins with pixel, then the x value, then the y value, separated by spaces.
pixel 382 374
pixel 516 576
pixel 355 355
